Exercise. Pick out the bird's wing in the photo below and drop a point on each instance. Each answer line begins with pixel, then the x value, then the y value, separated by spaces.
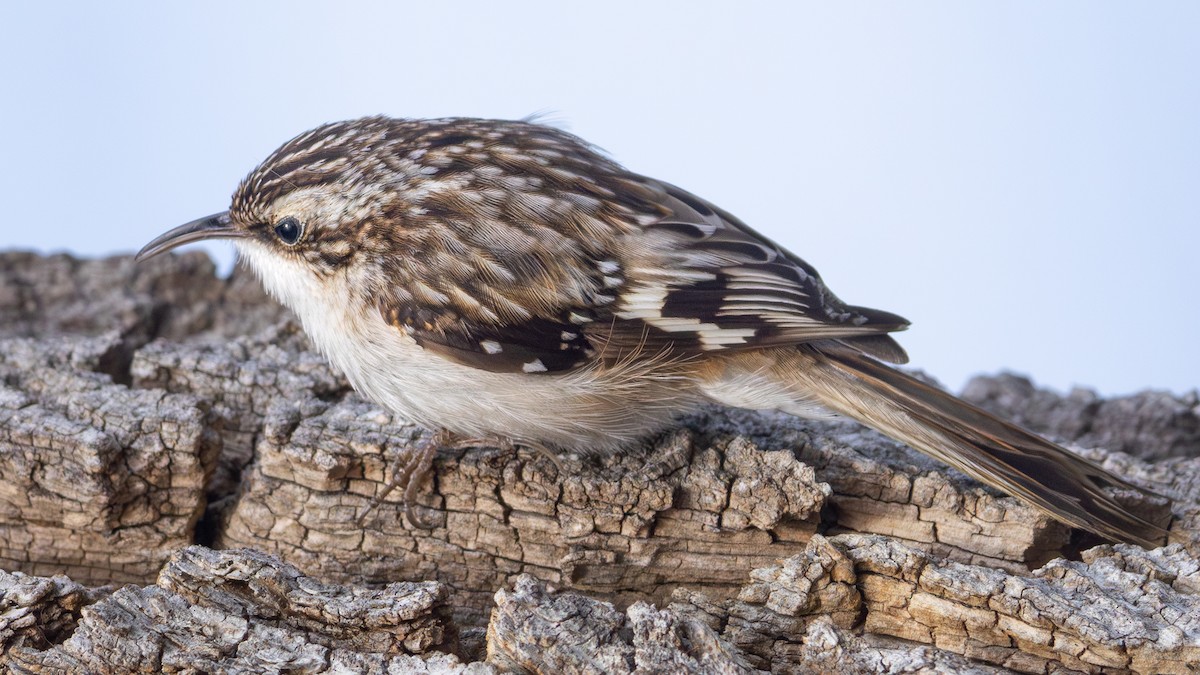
pixel 709 283
pixel 593 269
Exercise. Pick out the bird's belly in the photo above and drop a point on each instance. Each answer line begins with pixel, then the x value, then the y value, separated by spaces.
pixel 589 410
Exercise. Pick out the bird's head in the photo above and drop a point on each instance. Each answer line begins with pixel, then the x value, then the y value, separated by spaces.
pixel 317 203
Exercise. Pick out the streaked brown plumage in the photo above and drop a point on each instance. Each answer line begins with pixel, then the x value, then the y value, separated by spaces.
pixel 506 279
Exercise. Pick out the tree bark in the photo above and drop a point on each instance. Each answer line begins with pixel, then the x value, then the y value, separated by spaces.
pixel 147 408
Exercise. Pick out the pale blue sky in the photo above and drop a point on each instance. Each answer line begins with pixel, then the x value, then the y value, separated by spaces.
pixel 1019 179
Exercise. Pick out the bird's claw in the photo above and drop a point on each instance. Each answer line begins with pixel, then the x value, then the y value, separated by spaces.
pixel 411 475
pixel 420 465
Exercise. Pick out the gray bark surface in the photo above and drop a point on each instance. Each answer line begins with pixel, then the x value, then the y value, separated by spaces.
pixel 144 409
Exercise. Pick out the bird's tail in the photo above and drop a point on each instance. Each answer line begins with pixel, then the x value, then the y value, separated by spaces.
pixel 1066 486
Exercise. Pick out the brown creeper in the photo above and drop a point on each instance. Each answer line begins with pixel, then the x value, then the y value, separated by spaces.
pixel 499 278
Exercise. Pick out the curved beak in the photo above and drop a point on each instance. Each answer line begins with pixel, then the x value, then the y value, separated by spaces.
pixel 216 226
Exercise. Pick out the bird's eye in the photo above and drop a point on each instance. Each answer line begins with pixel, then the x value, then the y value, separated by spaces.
pixel 288 230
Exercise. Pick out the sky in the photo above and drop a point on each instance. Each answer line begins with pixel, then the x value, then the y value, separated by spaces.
pixel 1021 180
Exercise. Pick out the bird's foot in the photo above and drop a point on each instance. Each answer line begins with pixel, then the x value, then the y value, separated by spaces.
pixel 411 475
pixel 420 465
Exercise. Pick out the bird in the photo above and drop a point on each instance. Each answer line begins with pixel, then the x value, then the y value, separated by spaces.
pixel 509 280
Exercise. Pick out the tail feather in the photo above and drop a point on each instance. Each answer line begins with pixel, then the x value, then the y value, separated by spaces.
pixel 1059 482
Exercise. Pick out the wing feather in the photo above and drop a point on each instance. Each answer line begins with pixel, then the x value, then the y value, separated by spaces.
pixel 711 283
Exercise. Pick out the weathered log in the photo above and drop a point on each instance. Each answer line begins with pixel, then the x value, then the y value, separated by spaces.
pixel 97 481
pixel 146 408
pixel 232 611
pixel 1121 609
